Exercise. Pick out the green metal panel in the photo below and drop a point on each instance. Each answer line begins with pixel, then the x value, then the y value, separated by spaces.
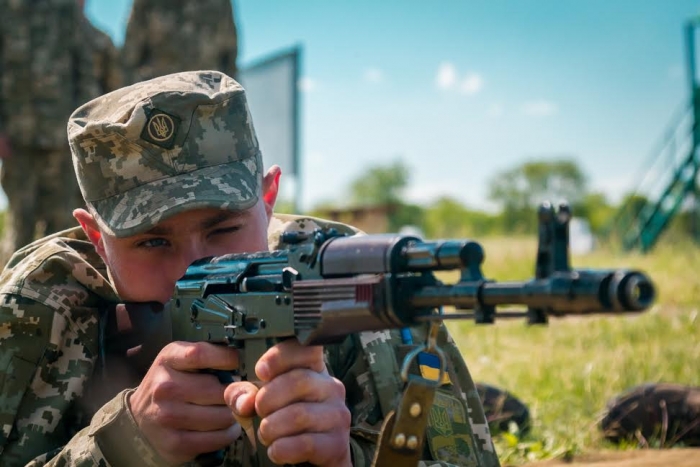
pixel 639 227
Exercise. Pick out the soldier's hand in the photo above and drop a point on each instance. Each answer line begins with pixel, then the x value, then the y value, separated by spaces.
pixel 181 411
pixel 303 411
pixel 5 148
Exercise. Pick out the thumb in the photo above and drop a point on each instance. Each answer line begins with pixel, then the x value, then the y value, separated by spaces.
pixel 240 397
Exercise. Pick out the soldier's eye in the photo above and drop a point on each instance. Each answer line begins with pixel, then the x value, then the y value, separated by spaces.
pixel 153 243
pixel 226 230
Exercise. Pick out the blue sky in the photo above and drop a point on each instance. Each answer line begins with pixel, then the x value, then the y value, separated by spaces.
pixel 463 89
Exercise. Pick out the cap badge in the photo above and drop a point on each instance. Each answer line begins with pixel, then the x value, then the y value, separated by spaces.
pixel 160 129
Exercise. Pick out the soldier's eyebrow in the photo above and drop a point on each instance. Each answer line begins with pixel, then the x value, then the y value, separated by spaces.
pixel 221 217
pixel 204 224
pixel 158 230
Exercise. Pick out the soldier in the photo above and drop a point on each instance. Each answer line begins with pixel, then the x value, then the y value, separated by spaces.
pixel 170 171
pixel 107 72
pixel 106 57
pixel 168 36
pixel 44 75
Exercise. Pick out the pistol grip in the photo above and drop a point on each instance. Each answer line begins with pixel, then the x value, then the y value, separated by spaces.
pixel 210 459
pixel 251 352
pixel 216 458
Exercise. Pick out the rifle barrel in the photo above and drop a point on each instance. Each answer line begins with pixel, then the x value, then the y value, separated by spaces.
pixel 586 291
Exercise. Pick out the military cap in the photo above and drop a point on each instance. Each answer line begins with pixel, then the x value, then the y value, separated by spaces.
pixel 157 148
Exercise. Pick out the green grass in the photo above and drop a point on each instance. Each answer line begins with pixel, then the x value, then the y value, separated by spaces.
pixel 566 371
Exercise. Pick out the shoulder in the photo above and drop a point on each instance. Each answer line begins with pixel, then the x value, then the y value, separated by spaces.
pixel 61 271
pixel 281 223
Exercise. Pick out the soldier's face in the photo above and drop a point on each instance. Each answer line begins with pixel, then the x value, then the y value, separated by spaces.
pixel 145 267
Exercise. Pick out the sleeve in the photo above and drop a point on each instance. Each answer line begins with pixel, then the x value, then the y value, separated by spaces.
pixel 102 442
pixel 31 382
pixel 135 47
pixel 46 360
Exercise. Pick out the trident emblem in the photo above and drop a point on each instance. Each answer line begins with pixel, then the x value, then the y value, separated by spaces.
pixel 161 127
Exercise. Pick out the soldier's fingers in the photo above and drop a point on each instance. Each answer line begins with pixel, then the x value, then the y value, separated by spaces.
pixel 240 397
pixel 194 388
pixel 320 449
pixel 300 385
pixel 288 355
pixel 191 417
pixel 191 356
pixel 304 417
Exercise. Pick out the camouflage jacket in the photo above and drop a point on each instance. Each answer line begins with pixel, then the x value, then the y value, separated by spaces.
pixel 169 36
pixel 45 70
pixel 51 360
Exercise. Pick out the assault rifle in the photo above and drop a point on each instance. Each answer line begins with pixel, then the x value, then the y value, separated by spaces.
pixel 327 286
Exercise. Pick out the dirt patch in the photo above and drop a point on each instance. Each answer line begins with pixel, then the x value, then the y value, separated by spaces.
pixel 639 458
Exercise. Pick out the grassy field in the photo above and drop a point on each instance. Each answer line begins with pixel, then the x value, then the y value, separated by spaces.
pixel 566 371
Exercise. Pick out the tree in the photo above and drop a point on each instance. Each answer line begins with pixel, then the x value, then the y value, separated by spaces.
pixel 380 184
pixel 406 214
pixel 597 209
pixel 447 218
pixel 519 190
pixel 383 185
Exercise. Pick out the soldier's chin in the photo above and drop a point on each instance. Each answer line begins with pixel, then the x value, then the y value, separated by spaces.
pixel 164 300
pixel 155 300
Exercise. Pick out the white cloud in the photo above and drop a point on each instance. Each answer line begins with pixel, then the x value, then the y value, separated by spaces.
pixel 540 108
pixel 373 75
pixel 306 84
pixel 446 76
pixel 471 84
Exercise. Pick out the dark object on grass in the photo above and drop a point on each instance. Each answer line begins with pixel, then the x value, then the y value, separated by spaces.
pixel 665 413
pixel 502 408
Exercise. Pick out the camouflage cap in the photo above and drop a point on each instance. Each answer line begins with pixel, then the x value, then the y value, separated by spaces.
pixel 157 148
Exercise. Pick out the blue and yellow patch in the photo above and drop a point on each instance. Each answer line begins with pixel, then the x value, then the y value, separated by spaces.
pixel 429 365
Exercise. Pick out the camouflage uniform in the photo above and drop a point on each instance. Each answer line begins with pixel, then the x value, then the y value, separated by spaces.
pixel 169 36
pixel 44 75
pixel 158 151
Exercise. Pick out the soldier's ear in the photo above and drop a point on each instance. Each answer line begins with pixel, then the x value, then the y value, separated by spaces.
pixel 271 186
pixel 89 225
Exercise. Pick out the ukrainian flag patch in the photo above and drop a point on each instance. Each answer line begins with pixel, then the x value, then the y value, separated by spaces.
pixel 429 365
